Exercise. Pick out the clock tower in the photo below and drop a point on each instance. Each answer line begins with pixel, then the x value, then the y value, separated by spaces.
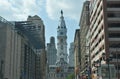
pixel 61 69
pixel 62 40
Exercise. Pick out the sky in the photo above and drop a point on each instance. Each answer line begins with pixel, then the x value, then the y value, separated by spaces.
pixel 48 11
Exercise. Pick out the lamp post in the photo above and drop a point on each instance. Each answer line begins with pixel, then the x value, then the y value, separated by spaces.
pixel 107 59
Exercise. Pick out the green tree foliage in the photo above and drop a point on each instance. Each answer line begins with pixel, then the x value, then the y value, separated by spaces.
pixel 71 76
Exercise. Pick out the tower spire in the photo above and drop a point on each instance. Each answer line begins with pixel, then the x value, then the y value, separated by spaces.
pixel 62 22
pixel 62 40
pixel 61 12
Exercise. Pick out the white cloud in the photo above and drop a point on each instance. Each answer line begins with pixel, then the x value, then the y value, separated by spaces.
pixel 71 8
pixel 19 9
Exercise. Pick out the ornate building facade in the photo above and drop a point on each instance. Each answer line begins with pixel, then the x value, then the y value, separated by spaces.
pixel 61 69
pixel 62 40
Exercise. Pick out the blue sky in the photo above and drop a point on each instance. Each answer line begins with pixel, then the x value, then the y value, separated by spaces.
pixel 48 10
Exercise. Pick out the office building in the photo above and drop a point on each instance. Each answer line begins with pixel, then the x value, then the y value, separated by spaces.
pixel 23 53
pixel 71 55
pixel 77 53
pixel 17 53
pixel 51 52
pixel 84 35
pixel 105 32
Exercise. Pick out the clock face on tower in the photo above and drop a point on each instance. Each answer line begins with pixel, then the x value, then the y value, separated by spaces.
pixel 61 33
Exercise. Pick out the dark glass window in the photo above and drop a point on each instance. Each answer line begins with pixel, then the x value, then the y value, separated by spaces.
pixel 114 25
pixel 114 35
pixel 113 5
pixel 114 45
pixel 115 14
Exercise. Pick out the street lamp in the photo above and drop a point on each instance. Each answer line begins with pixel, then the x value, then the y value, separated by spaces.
pixel 107 59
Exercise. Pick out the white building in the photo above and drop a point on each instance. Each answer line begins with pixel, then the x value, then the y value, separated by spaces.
pixel 61 69
pixel 62 40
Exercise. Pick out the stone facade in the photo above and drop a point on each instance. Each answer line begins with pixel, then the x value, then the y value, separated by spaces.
pixel 61 69
pixel 16 54
pixel 51 52
pixel 84 29
pixel 77 53
pixel 71 55
pixel 9 52
pixel 56 72
pixel 22 47
pixel 41 58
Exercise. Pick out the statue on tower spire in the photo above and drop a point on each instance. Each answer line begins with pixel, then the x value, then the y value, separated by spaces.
pixel 61 22
pixel 61 12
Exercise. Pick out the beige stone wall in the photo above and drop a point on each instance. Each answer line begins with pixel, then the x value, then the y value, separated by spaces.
pixel 10 46
pixel 2 46
pixel 43 63
pixel 12 51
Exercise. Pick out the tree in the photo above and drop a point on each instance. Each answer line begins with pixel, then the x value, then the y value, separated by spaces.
pixel 71 76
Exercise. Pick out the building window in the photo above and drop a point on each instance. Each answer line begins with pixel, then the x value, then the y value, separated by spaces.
pixel 114 35
pixel 114 14
pixel 113 5
pixel 114 25
pixel 61 40
pixel 62 47
pixel 114 45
